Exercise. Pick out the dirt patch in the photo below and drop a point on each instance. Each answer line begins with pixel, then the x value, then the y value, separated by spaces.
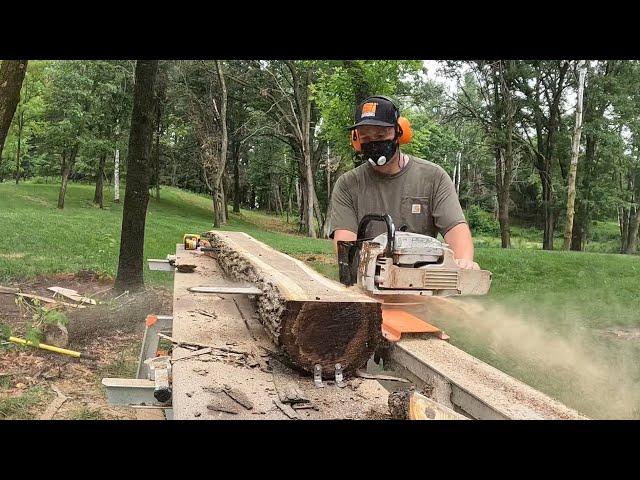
pixel 79 380
pixel 622 333
pixel 114 313
pixel 323 258
pixel 111 331
pixel 36 200
pixel 13 256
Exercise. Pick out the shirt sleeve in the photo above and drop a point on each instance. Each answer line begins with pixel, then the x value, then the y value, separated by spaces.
pixel 342 214
pixel 447 212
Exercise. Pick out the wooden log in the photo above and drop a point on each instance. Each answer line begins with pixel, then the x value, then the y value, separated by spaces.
pixel 312 319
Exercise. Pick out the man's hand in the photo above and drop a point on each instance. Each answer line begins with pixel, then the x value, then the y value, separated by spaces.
pixel 459 239
pixel 467 264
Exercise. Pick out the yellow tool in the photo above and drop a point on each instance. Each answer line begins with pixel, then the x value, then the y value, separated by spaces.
pixel 191 241
pixel 51 348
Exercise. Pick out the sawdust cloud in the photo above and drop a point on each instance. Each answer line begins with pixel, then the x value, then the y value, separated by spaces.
pixel 573 367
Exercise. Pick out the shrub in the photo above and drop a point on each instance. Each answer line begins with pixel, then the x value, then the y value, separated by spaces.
pixel 481 222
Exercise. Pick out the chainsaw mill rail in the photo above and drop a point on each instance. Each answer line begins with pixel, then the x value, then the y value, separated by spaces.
pixel 240 377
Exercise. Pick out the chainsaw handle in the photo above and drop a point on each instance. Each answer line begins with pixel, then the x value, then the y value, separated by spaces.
pixel 391 229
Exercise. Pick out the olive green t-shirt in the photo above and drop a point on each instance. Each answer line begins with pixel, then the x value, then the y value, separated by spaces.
pixel 420 196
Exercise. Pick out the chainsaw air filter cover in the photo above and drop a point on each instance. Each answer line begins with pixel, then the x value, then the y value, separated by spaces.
pixel 413 249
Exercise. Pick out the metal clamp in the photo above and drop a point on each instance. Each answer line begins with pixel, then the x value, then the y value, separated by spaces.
pixel 340 383
pixel 317 376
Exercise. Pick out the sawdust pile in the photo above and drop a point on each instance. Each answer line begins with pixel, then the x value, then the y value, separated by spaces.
pixel 124 313
pixel 598 379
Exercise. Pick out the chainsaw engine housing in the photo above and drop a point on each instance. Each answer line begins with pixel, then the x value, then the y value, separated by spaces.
pixel 412 264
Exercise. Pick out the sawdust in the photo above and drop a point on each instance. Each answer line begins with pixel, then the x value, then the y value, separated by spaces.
pixel 573 368
pixel 106 331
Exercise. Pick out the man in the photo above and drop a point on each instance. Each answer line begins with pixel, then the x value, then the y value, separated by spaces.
pixel 415 192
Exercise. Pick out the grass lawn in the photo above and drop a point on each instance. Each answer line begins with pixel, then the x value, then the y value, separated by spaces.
pixel 40 239
pixel 545 322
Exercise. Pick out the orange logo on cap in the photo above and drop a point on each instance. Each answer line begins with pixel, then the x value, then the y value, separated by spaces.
pixel 369 109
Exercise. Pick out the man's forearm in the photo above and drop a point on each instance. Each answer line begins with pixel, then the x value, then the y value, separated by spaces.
pixel 460 241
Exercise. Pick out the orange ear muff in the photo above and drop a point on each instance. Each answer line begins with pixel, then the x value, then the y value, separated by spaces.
pixel 406 132
pixel 355 141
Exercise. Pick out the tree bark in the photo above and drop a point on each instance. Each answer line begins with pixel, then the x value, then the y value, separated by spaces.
pixel 236 178
pixel 11 76
pixel 503 136
pixel 116 177
pixel 573 168
pixel 634 226
pixel 581 222
pixel 159 108
pixel 20 127
pixel 131 258
pixel 547 199
pixel 98 197
pixel 216 209
pixel 311 230
pixel 224 143
pixel 68 161
pixel 156 162
pixel 223 202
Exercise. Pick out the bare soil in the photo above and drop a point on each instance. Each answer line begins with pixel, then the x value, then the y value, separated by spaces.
pixel 111 331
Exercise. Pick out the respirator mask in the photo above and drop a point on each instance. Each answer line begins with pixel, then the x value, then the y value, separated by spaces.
pixel 379 153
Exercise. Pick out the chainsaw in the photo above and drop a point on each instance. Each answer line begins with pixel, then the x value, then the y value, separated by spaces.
pixel 405 263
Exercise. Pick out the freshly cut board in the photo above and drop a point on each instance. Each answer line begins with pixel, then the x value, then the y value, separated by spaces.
pixel 72 295
pixel 312 319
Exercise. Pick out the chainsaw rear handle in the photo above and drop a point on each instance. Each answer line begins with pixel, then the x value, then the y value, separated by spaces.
pixel 349 251
pixel 391 229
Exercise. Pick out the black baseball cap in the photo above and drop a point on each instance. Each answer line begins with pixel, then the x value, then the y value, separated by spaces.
pixel 378 111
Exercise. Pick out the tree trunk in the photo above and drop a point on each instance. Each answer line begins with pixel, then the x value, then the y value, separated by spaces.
pixel 216 209
pixel 504 173
pixel 573 168
pixel 581 223
pixel 298 194
pixel 632 244
pixel 11 76
pixel 116 178
pixel 236 179
pixel 623 222
pixel 224 142
pixel 316 207
pixel 157 167
pixel 97 197
pixel 311 230
pixel 131 259
pixel 67 167
pixel 547 240
pixel 503 219
pixel 223 202
pixel 547 198
pixel 64 174
pixel 20 127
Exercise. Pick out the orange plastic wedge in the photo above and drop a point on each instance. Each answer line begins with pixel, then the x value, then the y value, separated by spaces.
pixel 395 322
